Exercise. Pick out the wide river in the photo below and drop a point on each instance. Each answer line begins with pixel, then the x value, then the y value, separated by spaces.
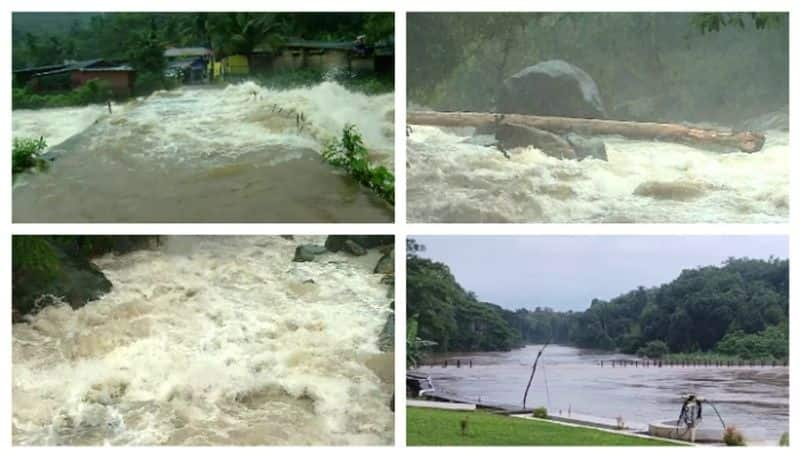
pixel 755 400
pixel 211 341
pixel 453 177
pixel 200 154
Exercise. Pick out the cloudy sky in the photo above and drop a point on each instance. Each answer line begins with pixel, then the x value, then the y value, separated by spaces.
pixel 566 272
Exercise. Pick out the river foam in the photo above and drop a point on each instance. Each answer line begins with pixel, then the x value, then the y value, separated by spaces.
pixel 641 182
pixel 214 340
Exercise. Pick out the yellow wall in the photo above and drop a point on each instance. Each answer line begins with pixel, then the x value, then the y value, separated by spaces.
pixel 235 65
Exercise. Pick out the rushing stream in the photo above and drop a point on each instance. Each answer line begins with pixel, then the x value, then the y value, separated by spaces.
pixel 641 182
pixel 200 154
pixel 755 400
pixel 211 340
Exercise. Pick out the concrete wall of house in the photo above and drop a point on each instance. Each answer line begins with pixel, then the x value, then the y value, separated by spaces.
pixel 120 82
pixel 319 60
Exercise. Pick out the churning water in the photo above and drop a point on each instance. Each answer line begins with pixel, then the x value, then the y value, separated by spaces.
pixel 641 182
pixel 755 400
pixel 214 340
pixel 200 154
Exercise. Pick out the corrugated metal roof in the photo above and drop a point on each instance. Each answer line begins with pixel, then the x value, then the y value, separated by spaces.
pixel 319 44
pixel 191 51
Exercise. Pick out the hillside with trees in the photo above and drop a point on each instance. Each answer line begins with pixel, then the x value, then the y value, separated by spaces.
pixel 739 309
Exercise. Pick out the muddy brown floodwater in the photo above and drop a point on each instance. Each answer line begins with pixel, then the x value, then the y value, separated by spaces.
pixel 205 155
pixel 211 341
pixel 755 400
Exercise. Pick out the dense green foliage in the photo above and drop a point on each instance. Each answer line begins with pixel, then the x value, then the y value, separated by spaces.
pixel 94 91
pixel 25 154
pixel 648 66
pixel 79 36
pixel 451 316
pixel 736 311
pixel 739 309
pixel 433 427
pixel 349 154
pixel 59 265
pixel 141 38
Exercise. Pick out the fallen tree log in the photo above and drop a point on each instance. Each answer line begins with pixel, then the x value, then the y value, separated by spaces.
pixel 653 131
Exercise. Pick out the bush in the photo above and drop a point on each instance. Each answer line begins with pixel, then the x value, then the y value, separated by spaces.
pixel 25 154
pixel 733 437
pixel 770 343
pixel 655 349
pixel 350 154
pixel 94 91
pixel 540 412
pixel 784 440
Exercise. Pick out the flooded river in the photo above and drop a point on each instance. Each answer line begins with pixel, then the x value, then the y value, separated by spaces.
pixel 199 154
pixel 755 400
pixel 211 340
pixel 641 182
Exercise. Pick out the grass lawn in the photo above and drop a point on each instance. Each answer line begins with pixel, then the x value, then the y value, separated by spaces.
pixel 435 427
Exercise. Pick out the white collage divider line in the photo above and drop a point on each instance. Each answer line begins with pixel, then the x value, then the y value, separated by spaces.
pixel 400 229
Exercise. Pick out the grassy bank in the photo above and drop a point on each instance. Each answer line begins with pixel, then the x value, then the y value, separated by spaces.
pixel 432 427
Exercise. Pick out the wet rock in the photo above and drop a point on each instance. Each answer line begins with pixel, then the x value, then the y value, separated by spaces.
pixel 47 270
pixel 335 243
pixel 307 252
pixel 386 264
pixel 354 248
pixel 287 237
pixel 388 279
pixel 552 88
pixel 671 190
pixel 511 135
pixel 587 147
pixel 386 338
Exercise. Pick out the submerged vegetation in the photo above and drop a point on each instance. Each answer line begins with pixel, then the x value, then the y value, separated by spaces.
pixel 433 427
pixel 738 311
pixel 25 154
pixel 349 154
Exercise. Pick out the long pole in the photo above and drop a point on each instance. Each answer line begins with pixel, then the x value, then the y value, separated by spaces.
pixel 533 372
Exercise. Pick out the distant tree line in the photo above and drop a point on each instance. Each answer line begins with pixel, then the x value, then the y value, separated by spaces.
pixel 738 309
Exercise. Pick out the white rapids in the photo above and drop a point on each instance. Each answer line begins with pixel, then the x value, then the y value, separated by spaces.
pixel 242 153
pixel 641 182
pixel 210 340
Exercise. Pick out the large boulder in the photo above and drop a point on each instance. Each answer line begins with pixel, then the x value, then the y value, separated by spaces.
pixel 552 88
pixel 385 264
pixel 336 243
pixel 587 147
pixel 44 272
pixel 511 136
pixel 307 252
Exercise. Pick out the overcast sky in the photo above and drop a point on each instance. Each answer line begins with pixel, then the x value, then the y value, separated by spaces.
pixel 566 272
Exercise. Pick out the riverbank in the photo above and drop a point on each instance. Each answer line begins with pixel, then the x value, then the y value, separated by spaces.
pixel 430 427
